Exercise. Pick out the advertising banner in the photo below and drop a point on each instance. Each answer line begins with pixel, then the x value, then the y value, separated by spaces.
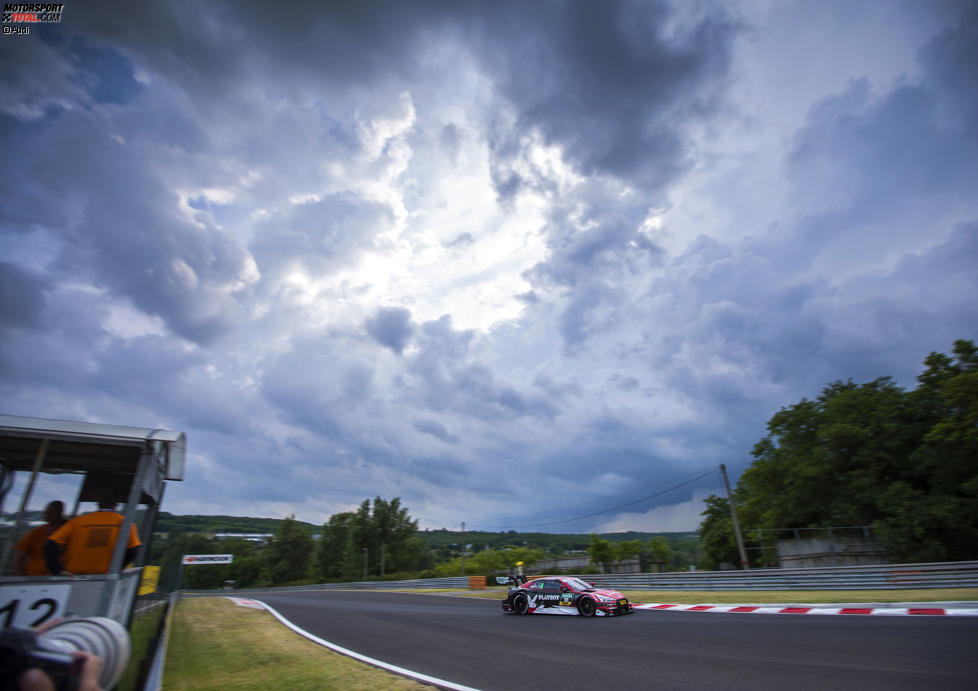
pixel 196 559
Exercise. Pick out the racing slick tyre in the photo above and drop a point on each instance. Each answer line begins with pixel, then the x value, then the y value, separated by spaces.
pixel 521 604
pixel 586 607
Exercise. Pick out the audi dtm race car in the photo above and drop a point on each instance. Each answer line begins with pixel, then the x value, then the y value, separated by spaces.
pixel 565 595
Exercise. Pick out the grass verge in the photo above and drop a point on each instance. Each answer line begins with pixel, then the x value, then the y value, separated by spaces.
pixel 215 644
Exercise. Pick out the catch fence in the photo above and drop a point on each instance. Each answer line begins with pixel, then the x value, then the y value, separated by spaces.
pixel 961 574
pixel 877 577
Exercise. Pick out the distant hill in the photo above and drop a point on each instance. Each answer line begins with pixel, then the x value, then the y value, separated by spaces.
pixel 168 523
pixel 550 542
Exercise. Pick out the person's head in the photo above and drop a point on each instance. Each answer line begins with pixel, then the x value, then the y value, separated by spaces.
pixel 54 512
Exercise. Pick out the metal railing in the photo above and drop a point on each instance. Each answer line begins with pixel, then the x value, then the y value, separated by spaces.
pixel 962 574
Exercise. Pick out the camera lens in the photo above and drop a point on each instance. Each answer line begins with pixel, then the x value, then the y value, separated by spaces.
pixel 102 637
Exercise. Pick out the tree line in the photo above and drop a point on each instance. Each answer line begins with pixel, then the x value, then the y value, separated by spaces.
pixel 381 540
pixel 904 463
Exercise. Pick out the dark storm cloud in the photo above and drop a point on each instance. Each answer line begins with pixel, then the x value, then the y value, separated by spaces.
pixel 612 83
pixel 435 429
pixel 21 297
pixel 590 252
pixel 319 383
pixel 119 224
pixel 55 359
pixel 886 164
pixel 949 60
pixel 872 272
pixel 343 43
pixel 391 327
pixel 450 380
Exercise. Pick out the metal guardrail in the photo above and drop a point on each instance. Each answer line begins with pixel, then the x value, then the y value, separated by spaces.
pixel 962 574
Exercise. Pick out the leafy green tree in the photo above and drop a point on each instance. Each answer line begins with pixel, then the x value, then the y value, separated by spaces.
pixel 357 550
pixel 931 512
pixel 905 463
pixel 717 539
pixel 661 553
pixel 601 552
pixel 380 539
pixel 331 550
pixel 629 549
pixel 490 562
pixel 288 555
pixel 392 530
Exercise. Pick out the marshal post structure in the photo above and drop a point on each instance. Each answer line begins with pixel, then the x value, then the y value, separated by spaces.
pixel 129 466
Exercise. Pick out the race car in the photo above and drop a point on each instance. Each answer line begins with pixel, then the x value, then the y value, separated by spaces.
pixel 565 595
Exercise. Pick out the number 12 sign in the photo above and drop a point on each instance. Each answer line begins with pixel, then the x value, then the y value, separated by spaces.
pixel 28 606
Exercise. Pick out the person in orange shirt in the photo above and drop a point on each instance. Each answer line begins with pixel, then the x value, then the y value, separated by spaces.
pixel 29 560
pixel 86 542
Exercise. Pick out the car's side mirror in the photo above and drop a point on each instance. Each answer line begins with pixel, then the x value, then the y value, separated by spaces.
pixel 564 588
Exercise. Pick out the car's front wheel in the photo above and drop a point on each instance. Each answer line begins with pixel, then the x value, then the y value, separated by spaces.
pixel 521 605
pixel 586 607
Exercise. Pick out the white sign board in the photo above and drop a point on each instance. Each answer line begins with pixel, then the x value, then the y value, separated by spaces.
pixel 27 606
pixel 207 558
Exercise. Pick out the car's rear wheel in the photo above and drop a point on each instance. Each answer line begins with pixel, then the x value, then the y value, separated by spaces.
pixel 586 607
pixel 521 604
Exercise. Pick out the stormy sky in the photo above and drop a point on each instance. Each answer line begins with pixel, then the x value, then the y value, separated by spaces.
pixel 520 264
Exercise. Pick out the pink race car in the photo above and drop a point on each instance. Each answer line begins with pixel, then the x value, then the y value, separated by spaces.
pixel 565 595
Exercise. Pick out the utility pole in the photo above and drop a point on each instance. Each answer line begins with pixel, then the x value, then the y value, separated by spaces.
pixel 364 563
pixel 463 548
pixel 381 559
pixel 736 523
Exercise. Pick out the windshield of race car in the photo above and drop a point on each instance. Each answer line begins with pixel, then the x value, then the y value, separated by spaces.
pixel 578 584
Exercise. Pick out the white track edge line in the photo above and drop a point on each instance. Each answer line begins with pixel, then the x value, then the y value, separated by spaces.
pixel 363 658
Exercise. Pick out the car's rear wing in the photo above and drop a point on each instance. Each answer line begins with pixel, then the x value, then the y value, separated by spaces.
pixel 517 579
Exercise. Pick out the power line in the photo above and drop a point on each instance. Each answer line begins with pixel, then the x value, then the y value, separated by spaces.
pixel 598 513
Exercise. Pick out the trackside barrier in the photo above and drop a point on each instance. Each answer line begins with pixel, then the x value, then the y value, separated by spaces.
pixel 959 574
pixel 962 574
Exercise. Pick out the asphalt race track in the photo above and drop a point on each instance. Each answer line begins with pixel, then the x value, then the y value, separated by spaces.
pixel 470 641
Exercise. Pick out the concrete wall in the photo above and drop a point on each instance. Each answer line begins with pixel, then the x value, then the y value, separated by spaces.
pixel 840 551
pixel 580 562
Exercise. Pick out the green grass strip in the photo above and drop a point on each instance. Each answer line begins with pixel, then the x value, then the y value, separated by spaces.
pixel 215 644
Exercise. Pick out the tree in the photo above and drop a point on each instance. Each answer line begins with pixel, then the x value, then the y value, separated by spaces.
pixel 357 550
pixel 601 552
pixel 661 552
pixel 905 463
pixel 717 539
pixel 377 539
pixel 287 556
pixel 331 550
pixel 392 530
pixel 931 514
pixel 489 562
